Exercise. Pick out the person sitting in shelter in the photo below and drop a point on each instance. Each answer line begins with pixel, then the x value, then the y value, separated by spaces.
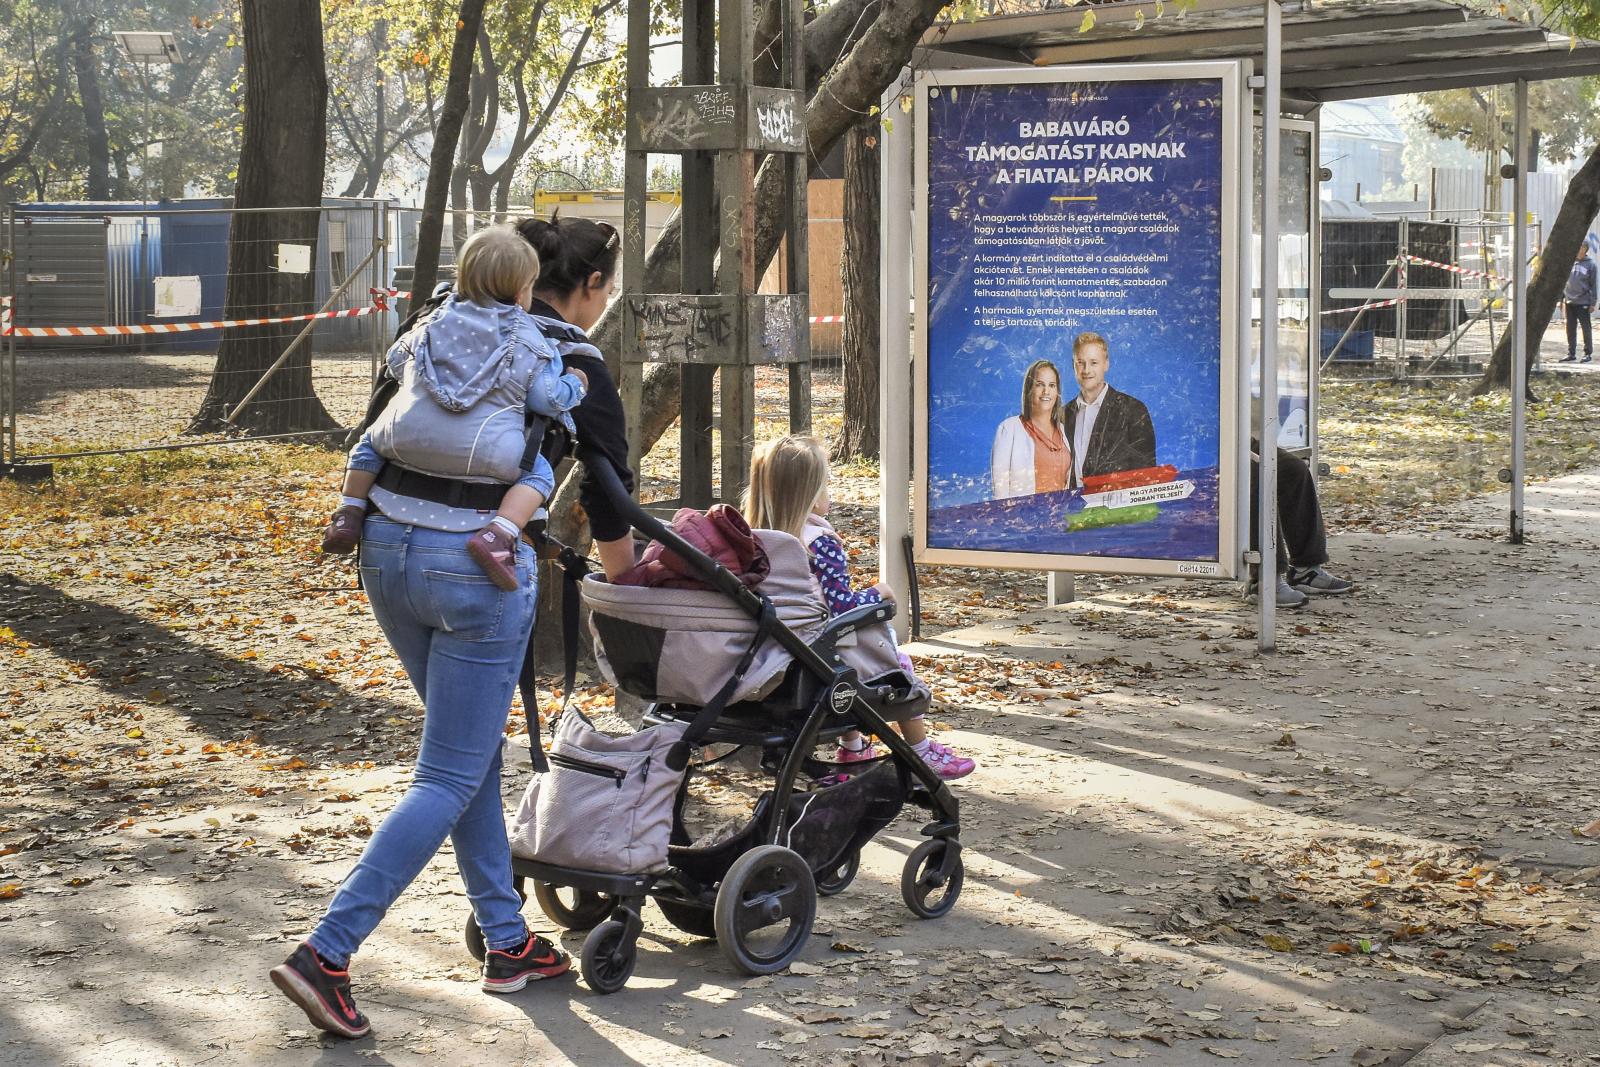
pixel 469 371
pixel 1303 553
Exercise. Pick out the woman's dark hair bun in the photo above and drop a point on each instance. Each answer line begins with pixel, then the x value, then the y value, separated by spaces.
pixel 543 236
pixel 570 250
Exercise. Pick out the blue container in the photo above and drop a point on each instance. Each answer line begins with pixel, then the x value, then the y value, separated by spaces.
pixel 198 245
pixel 1357 346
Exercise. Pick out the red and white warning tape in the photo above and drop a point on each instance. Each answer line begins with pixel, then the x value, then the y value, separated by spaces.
pixel 379 303
pixel 174 327
pixel 399 294
pixel 1367 307
pixel 1453 269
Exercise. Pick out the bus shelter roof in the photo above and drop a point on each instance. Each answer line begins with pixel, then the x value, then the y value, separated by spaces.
pixel 1332 49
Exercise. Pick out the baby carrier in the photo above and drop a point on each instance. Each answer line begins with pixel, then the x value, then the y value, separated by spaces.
pixel 464 373
pixel 763 667
pixel 397 385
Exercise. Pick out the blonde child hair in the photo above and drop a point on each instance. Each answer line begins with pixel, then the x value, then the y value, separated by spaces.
pixel 495 264
pixel 786 477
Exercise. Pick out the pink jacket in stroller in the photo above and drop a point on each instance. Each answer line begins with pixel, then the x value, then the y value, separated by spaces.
pixel 721 533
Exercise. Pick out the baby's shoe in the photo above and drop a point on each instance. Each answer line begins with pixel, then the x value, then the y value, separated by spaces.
pixel 946 763
pixel 344 530
pixel 496 552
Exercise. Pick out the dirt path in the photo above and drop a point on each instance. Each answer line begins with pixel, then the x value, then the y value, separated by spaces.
pixel 1361 850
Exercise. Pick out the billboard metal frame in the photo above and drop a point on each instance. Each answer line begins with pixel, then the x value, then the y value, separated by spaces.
pixel 1233 306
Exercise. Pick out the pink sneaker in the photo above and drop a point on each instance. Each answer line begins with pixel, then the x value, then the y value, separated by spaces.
pixel 845 755
pixel 946 763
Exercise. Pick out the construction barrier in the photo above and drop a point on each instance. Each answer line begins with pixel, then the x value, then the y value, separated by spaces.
pixel 170 327
pixel 379 295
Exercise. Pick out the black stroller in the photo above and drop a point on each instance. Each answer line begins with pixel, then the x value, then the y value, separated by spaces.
pixel 790 689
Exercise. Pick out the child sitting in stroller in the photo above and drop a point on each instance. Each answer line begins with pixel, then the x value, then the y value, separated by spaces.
pixel 788 491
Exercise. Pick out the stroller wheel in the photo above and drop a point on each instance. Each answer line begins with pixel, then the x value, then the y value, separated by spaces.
pixel 837 878
pixel 608 957
pixel 475 944
pixel 690 918
pixel 583 913
pixel 765 908
pixel 928 889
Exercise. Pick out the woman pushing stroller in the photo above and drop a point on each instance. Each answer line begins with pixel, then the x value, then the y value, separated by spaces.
pixel 461 635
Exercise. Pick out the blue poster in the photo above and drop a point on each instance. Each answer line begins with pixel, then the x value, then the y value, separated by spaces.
pixel 1075 310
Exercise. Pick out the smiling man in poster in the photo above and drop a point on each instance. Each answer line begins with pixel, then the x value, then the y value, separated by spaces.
pixel 1110 430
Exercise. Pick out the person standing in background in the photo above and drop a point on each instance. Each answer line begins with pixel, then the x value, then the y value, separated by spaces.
pixel 1580 297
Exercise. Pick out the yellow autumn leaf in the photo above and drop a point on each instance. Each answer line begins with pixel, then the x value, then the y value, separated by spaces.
pixel 1278 943
pixel 136 733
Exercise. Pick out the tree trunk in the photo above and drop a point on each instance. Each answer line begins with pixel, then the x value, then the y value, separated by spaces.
pixel 859 437
pixel 1578 209
pixel 358 179
pixel 873 54
pixel 441 162
pixel 96 144
pixel 281 161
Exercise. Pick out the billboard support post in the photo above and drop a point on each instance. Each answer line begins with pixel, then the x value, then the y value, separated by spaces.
pixel 894 371
pixel 1519 317
pixel 1267 440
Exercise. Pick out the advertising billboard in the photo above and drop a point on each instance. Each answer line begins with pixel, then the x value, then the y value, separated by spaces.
pixel 1077 240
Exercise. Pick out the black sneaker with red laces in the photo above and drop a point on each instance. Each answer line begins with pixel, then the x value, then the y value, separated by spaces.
pixel 508 970
pixel 322 992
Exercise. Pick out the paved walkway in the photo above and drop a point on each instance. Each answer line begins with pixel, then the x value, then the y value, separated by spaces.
pixel 1360 850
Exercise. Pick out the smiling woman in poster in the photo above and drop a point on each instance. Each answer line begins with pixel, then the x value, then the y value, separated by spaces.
pixel 1031 454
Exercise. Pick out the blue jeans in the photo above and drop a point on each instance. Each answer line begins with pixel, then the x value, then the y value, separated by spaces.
pixel 462 641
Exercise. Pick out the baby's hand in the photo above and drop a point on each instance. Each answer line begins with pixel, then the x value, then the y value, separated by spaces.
pixel 583 378
pixel 884 591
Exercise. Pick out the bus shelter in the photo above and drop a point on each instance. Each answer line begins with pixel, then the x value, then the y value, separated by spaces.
pixel 1085 195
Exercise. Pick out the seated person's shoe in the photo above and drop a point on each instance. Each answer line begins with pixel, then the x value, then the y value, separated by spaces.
pixel 322 992
pixel 1285 596
pixel 1316 581
pixel 508 970
pixel 496 552
pixel 946 763
pixel 344 530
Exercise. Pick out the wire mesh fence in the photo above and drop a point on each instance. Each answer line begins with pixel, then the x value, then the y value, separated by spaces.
pixel 1409 297
pixel 130 328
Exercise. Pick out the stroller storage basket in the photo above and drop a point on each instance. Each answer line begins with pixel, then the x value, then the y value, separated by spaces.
pixel 679 646
pixel 824 825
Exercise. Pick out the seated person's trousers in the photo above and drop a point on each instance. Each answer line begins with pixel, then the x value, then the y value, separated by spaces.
pixel 1303 541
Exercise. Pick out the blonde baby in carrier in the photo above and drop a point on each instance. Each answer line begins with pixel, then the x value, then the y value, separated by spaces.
pixel 456 434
